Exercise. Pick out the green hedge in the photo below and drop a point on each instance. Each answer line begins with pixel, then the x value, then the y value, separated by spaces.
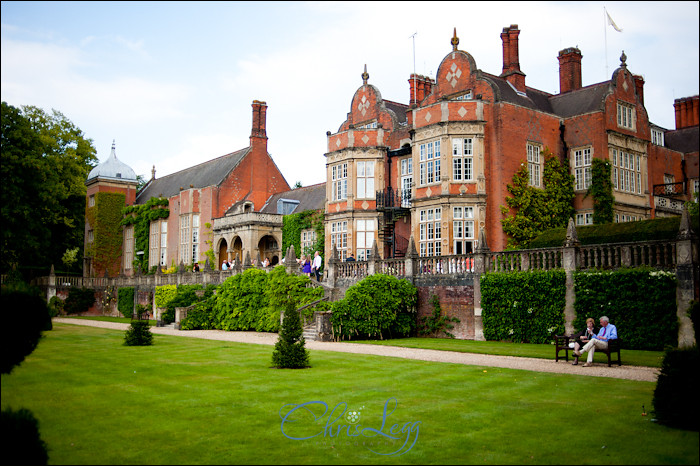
pixel 644 230
pixel 125 301
pixel 378 306
pixel 252 301
pixel 640 302
pixel 523 307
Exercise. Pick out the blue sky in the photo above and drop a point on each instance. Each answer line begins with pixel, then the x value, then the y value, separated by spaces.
pixel 173 82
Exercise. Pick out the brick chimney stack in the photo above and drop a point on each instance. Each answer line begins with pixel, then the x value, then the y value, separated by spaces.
pixel 511 58
pixel 258 131
pixel 639 87
pixel 569 70
pixel 687 111
pixel 420 87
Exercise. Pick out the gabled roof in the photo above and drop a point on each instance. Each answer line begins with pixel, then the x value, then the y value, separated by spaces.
pixel 581 101
pixel 310 198
pixel 210 173
pixel 683 140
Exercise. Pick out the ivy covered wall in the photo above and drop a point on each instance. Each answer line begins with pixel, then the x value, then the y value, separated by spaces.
pixel 105 220
pixel 292 226
pixel 141 217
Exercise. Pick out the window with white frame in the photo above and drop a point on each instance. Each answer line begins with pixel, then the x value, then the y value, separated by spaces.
pixel 91 200
pixel 153 243
pixel 308 239
pixel 465 96
pixel 339 181
pixel 462 229
pixel 364 238
pixel 534 166
pixel 626 171
pixel 370 125
pixel 430 232
pixel 582 168
pixel 584 218
pixel 625 115
pixel 462 159
pixel 129 247
pixel 339 238
pixel 185 238
pixel 163 256
pixel 195 238
pixel 365 180
pixel 91 236
pixel 657 137
pixel 429 157
pixel 406 181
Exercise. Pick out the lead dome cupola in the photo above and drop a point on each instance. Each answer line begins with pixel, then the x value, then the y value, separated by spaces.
pixel 113 168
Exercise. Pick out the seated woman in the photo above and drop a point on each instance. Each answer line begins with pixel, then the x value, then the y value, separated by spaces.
pixel 583 337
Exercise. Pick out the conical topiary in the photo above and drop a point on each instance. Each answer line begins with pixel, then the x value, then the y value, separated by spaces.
pixel 290 350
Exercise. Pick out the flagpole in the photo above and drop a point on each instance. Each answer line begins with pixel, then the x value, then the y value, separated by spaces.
pixel 605 28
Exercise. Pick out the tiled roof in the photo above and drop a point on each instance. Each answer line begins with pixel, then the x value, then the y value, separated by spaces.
pixel 210 173
pixel 310 198
pixel 581 101
pixel 683 140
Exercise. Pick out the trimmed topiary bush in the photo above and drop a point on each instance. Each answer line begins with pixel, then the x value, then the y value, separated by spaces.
pixel 290 349
pixel 125 301
pixel 139 334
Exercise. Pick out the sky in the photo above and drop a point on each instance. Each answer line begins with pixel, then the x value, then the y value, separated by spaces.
pixel 172 83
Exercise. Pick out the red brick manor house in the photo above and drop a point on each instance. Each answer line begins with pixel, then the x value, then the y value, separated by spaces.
pixel 434 169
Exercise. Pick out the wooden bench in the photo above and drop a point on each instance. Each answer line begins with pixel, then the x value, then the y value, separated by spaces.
pixel 561 343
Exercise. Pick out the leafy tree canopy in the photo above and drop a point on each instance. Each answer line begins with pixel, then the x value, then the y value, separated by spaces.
pixel 532 210
pixel 45 162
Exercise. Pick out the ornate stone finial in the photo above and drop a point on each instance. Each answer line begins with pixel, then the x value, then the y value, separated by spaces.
pixel 153 172
pixel 247 261
pixel 483 247
pixel 623 60
pixel 365 76
pixel 375 251
pixel 291 256
pixel 114 144
pixel 207 265
pixel 334 255
pixel 571 235
pixel 411 250
pixel 685 229
pixel 455 41
pixel 52 272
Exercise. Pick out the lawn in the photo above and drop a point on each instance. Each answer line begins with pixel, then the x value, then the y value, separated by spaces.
pixel 193 401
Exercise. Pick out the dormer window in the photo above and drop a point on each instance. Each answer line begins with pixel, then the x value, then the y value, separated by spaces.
pixel 286 206
pixel 657 137
pixel 466 96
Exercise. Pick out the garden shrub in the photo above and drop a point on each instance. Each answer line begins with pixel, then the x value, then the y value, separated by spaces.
pixel 138 334
pixel 164 294
pixel 201 317
pixel 79 300
pixel 290 350
pixel 675 401
pixel 645 320
pixel 185 296
pixel 378 306
pixel 436 323
pixel 523 307
pixel 21 438
pixel 125 301
pixel 55 306
pixel 25 316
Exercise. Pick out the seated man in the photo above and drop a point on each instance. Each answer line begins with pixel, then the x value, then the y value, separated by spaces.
pixel 607 332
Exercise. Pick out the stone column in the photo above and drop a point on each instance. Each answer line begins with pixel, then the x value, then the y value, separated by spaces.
pixel 410 260
pixel 569 254
pixel 51 285
pixel 480 257
pixel 688 275
pixel 332 271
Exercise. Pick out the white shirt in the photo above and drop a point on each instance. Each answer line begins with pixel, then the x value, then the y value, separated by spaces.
pixel 317 262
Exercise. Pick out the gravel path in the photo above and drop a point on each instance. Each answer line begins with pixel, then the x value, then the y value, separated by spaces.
pixel 646 374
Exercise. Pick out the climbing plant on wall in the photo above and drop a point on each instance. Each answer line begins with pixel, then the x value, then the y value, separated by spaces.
pixel 535 209
pixel 601 190
pixel 141 217
pixel 104 219
pixel 293 224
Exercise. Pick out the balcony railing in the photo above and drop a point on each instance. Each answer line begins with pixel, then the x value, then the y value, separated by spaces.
pixel 394 198
pixel 669 189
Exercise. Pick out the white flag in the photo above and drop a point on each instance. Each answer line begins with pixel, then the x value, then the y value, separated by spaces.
pixel 612 23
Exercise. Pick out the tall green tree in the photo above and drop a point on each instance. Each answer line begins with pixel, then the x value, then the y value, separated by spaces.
pixel 45 162
pixel 537 209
